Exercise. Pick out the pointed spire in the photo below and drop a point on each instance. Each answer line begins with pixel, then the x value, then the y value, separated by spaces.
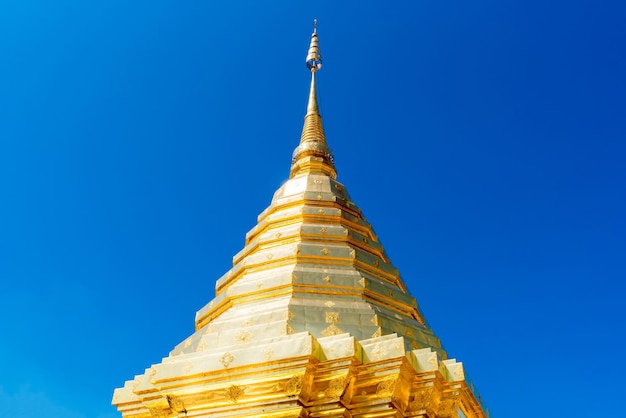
pixel 313 155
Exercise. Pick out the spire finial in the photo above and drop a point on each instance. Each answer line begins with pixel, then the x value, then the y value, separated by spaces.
pixel 314 58
pixel 313 155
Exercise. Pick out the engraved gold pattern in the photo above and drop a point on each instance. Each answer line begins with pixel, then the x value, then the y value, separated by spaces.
pixel 332 317
pixel 423 400
pixel 331 330
pixel 386 387
pixel 335 387
pixel 234 393
pixel 176 404
pixel 294 385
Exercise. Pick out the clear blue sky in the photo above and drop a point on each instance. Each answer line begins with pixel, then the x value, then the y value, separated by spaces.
pixel 485 141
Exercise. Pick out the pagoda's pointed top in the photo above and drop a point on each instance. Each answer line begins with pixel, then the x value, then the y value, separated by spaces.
pixel 313 155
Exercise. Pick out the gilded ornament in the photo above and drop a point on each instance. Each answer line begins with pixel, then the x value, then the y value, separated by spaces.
pixel 187 367
pixel 293 386
pixel 176 404
pixel 327 279
pixel 329 304
pixel 332 330
pixel 335 387
pixel 323 230
pixel 243 337
pixel 325 251
pixel 226 359
pixel 270 256
pixel 447 408
pixel 376 263
pixel 377 333
pixel 386 387
pixel 234 393
pixel 278 235
pixel 422 399
pixel 332 317
pixel 317 181
pixel 321 211
pixel 202 346
pixel 289 330
pixel 246 322
pixel 362 282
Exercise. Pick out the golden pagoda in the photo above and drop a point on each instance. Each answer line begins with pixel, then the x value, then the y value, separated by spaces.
pixel 312 320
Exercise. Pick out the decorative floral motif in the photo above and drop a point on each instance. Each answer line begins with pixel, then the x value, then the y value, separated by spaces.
pixel 234 393
pixel 226 359
pixel 293 386
pixel 332 317
pixel 332 330
pixel 335 387
pixel 386 387
pixel 423 399
pixel 243 337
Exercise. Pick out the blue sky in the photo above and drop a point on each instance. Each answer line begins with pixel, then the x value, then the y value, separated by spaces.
pixel 483 140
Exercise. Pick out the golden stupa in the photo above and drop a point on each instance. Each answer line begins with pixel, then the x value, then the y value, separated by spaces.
pixel 312 320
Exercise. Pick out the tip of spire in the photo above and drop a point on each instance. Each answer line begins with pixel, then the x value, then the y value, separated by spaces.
pixel 313 155
pixel 314 58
